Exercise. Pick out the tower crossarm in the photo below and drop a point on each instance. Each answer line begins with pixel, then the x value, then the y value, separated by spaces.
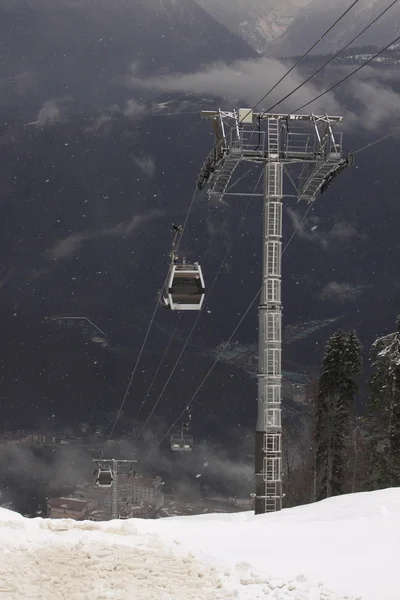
pixel 240 136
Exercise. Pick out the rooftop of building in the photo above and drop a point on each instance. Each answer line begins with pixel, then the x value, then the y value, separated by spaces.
pixel 71 504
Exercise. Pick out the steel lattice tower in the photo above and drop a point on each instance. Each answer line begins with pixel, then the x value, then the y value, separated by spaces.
pixel 305 140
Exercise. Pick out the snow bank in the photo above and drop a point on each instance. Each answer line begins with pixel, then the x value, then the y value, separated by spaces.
pixel 348 543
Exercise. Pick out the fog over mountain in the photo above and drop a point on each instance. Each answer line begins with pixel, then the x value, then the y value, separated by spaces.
pixel 259 22
pixel 315 18
pixel 288 27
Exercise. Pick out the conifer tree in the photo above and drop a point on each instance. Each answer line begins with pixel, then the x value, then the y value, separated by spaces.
pixel 383 414
pixel 333 411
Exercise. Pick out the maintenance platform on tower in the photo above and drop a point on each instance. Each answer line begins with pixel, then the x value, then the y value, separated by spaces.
pixel 309 140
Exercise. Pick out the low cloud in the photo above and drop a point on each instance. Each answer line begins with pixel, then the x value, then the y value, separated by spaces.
pixel 309 229
pixel 240 81
pixel 146 164
pixel 133 109
pixel 379 103
pixel 67 246
pixel 341 292
pixel 52 111
pixel 247 81
pixel 71 245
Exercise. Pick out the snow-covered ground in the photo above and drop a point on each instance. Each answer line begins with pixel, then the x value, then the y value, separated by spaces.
pixel 342 548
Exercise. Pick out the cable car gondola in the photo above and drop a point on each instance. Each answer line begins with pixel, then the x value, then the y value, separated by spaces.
pixel 184 288
pixel 104 478
pixel 182 441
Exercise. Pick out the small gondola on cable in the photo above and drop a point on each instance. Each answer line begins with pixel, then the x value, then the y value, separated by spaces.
pixel 182 441
pixel 184 287
pixel 103 477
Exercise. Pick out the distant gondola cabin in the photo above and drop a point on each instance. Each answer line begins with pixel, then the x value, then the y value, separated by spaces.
pixel 104 478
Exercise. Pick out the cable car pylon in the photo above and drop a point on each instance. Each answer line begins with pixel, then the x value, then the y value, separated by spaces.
pixel 277 142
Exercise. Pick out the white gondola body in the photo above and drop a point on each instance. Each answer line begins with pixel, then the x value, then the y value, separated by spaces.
pixel 184 289
pixel 104 478
pixel 181 443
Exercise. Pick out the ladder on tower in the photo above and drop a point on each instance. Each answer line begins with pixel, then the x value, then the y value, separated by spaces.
pixel 273 139
pixel 309 189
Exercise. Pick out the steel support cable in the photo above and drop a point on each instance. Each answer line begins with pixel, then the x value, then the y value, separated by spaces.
pixel 238 180
pixel 198 316
pixel 158 367
pixel 306 53
pixel 171 374
pixel 187 217
pixel 229 340
pixel 138 360
pixel 254 107
pixel 377 141
pixel 295 65
pixel 177 323
pixel 163 358
pixel 149 327
pixel 349 74
pixel 332 58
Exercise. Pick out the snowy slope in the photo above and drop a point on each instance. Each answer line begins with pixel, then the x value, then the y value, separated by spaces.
pixel 348 545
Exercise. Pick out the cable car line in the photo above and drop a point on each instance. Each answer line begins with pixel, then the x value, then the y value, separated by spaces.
pixel 159 367
pixel 239 179
pixel 136 364
pixel 295 65
pixel 195 191
pixel 150 326
pixel 187 218
pixel 229 340
pixel 171 374
pixel 377 141
pixel 303 56
pixel 331 59
pixel 198 316
pixel 349 74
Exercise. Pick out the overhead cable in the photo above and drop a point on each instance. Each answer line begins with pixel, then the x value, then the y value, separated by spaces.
pixel 306 53
pixel 332 58
pixel 149 328
pixel 228 342
pixel 377 141
pixel 171 337
pixel 364 64
pixel 198 316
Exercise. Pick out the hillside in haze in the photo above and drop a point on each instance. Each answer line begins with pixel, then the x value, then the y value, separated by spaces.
pixel 312 21
pixel 289 27
pixel 68 54
pixel 259 22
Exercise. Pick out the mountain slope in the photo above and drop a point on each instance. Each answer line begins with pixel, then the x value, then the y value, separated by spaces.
pixel 259 22
pixel 66 49
pixel 318 15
